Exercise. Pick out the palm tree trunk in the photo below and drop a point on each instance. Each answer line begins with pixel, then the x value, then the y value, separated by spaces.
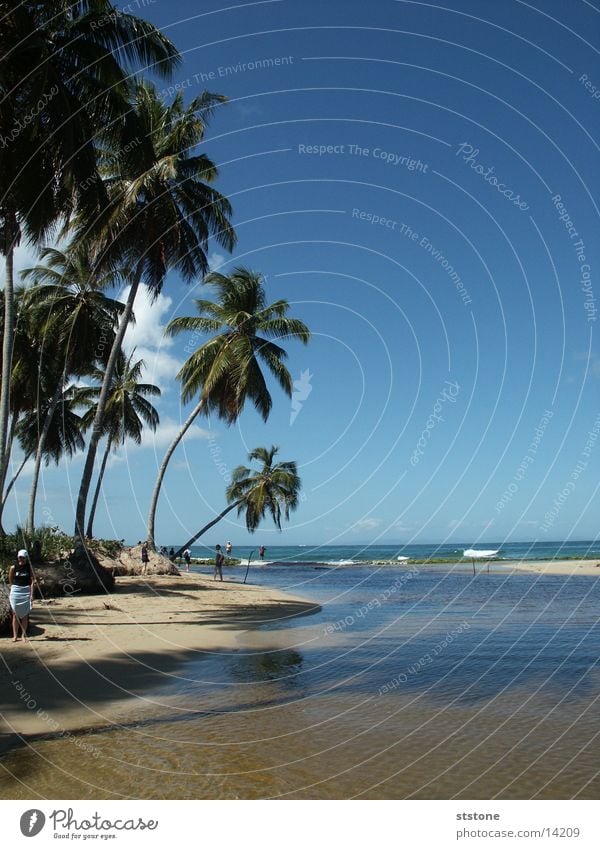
pixel 7 352
pixel 88 470
pixel 163 468
pixel 15 476
pixel 207 527
pixel 90 524
pixel 9 443
pixel 39 454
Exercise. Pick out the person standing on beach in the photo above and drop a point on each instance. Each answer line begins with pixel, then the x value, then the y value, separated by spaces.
pixel 145 558
pixel 187 556
pixel 228 548
pixel 21 579
pixel 219 558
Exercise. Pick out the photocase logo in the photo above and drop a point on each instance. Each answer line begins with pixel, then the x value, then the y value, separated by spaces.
pixel 32 822
pixel 302 389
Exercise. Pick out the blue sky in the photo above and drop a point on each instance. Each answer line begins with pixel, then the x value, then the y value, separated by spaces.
pixel 394 170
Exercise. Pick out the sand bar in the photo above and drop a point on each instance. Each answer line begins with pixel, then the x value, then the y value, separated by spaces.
pixel 554 567
pixel 89 656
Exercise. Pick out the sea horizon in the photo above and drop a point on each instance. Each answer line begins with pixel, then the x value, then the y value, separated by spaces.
pixel 350 554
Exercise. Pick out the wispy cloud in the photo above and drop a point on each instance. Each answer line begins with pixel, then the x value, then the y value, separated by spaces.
pixel 369 523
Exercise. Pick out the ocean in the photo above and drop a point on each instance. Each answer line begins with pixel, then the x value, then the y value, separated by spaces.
pixel 426 683
pixel 450 553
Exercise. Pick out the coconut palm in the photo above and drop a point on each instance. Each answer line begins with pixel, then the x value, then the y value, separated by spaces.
pixel 64 437
pixel 27 374
pixel 226 371
pixel 127 411
pixel 64 72
pixel 75 322
pixel 162 214
pixel 273 490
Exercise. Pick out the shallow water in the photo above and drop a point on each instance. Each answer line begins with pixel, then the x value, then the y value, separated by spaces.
pixel 407 685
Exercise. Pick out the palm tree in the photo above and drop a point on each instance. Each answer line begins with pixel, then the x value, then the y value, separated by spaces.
pixel 64 435
pixel 274 489
pixel 63 86
pixel 226 370
pixel 75 323
pixel 127 411
pixel 162 215
pixel 26 375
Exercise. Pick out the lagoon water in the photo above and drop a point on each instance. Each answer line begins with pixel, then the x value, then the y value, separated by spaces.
pixel 410 683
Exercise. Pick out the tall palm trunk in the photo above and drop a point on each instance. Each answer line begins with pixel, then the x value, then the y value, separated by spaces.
pixel 163 468
pixel 7 352
pixel 15 476
pixel 9 443
pixel 96 432
pixel 39 454
pixel 90 525
pixel 207 527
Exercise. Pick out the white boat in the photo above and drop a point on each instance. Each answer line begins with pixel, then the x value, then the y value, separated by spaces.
pixel 475 554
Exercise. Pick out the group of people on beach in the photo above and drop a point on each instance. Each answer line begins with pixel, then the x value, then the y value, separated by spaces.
pixel 187 557
pixel 22 580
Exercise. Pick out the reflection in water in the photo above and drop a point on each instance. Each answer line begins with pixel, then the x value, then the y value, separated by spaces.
pixel 268 666
pixel 452 688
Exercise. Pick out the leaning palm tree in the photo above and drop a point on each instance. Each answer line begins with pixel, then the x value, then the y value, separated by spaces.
pixel 274 490
pixel 27 374
pixel 64 436
pixel 127 411
pixel 75 322
pixel 163 213
pixel 226 371
pixel 64 72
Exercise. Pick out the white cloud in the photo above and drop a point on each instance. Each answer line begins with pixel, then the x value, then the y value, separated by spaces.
pixel 167 431
pixel 151 318
pixel 148 338
pixel 366 524
pixel 158 442
pixel 160 368
pixel 215 261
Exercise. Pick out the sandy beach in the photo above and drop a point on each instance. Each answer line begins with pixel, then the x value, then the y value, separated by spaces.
pixel 90 658
pixel 554 567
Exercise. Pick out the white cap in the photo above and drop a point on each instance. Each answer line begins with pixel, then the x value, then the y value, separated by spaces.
pixel 22 553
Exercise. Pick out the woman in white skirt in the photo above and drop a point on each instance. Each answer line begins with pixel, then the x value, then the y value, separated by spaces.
pixel 21 579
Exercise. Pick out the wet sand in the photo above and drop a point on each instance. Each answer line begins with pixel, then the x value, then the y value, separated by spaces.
pixel 87 657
